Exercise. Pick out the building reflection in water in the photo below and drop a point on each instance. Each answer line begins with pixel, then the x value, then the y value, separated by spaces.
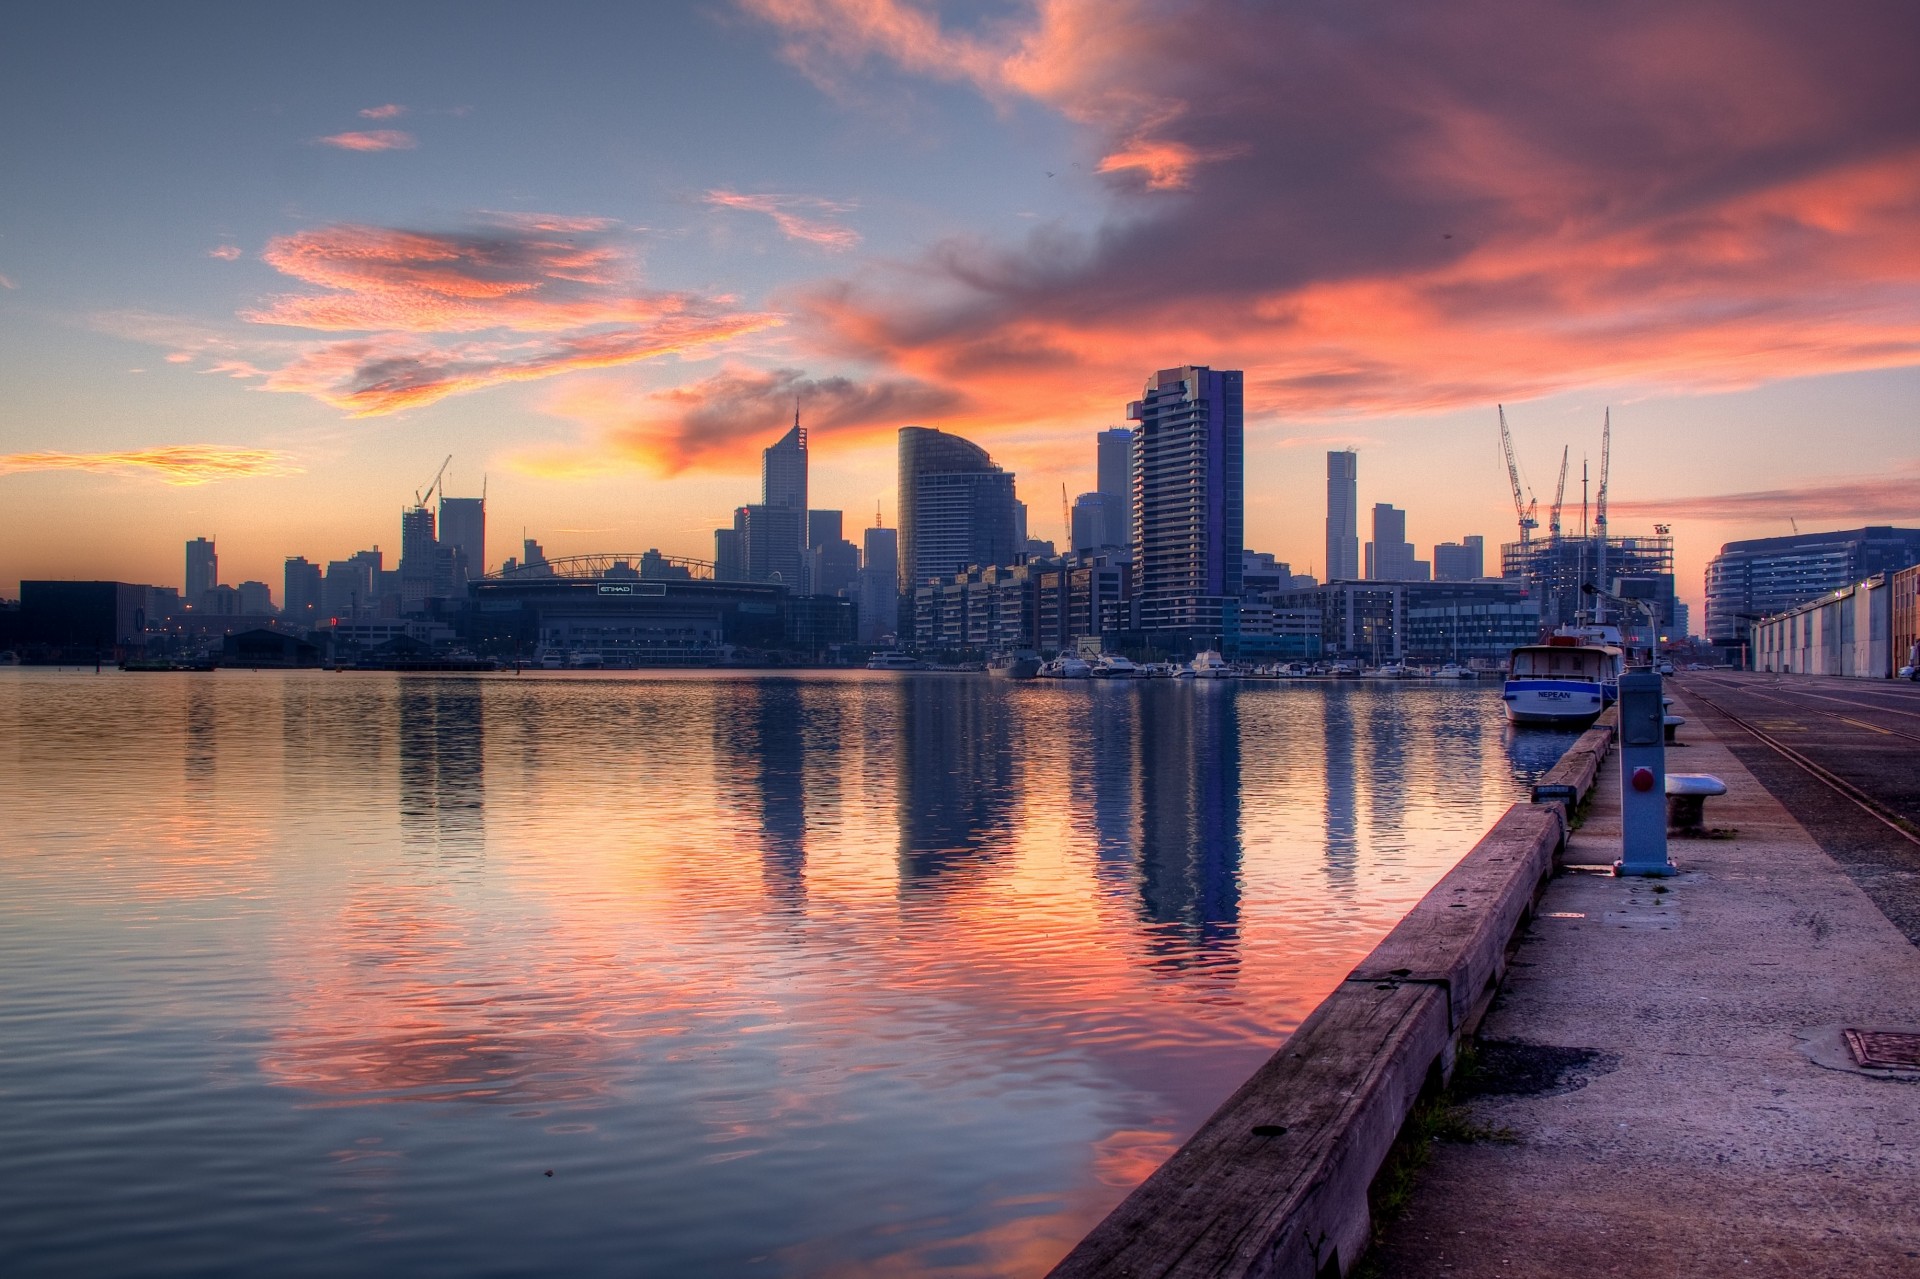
pixel 762 744
pixel 1189 788
pixel 1387 779
pixel 202 716
pixel 442 741
pixel 958 795
pixel 1342 787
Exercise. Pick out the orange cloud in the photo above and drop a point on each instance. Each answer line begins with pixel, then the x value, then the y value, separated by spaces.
pixel 544 295
pixel 792 225
pixel 183 464
pixel 388 111
pixel 371 140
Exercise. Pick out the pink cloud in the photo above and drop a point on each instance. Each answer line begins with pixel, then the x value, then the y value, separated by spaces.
pixel 225 252
pixel 794 226
pixel 182 464
pixel 371 140
pixel 708 422
pixel 533 296
pixel 1857 498
pixel 388 111
pixel 1451 208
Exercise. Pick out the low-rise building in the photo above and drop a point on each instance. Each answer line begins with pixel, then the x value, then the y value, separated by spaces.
pixel 1848 632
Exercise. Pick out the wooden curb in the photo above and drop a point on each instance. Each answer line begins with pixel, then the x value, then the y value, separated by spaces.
pixel 1570 781
pixel 1275 1182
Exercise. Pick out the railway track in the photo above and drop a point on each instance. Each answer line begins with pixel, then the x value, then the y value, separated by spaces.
pixel 1873 807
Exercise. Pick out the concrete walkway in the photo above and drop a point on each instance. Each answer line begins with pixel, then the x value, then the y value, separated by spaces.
pixel 1699 1133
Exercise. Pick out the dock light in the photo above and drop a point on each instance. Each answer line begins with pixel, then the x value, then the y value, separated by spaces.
pixel 1643 780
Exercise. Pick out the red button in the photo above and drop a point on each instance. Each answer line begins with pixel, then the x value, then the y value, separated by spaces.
pixel 1643 779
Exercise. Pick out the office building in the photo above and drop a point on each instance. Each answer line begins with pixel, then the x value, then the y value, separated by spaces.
pixel 1343 516
pixel 203 569
pixel 255 598
pixel 783 469
pixel 1189 505
pixel 352 587
pixel 823 527
pixel 1763 576
pixel 300 591
pixel 1390 554
pixel 729 555
pixel 1382 621
pixel 1114 472
pixel 834 568
pixel 879 599
pixel 463 528
pixel 1460 561
pixel 773 544
pixel 1100 521
pixel 956 506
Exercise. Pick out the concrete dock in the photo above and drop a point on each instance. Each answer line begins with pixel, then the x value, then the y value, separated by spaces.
pixel 1663 1086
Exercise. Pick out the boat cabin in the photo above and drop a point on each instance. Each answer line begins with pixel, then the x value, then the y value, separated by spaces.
pixel 1562 661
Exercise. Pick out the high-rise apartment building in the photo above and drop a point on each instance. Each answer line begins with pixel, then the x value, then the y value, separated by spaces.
pixel 1114 479
pixel 1461 561
pixel 203 569
pixel 1767 575
pixel 1189 504
pixel 1390 555
pixel 1343 517
pixel 1099 520
pixel 956 507
pixel 463 526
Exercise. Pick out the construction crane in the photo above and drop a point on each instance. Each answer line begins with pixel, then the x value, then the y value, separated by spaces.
pixel 1523 509
pixel 420 496
pixel 1559 493
pixel 1600 503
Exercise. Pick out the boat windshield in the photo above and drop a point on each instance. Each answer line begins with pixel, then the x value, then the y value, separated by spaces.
pixel 1561 663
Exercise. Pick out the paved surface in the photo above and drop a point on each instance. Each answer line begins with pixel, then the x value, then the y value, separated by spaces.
pixel 1669 1110
pixel 1864 733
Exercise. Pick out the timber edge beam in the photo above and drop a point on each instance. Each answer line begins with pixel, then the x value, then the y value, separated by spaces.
pixel 1570 781
pixel 1275 1182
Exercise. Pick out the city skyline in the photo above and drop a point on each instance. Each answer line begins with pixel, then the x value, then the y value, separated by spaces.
pixel 307 281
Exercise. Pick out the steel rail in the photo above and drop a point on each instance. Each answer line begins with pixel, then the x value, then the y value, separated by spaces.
pixel 1867 803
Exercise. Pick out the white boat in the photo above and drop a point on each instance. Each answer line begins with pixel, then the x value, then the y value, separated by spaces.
pixel 1453 670
pixel 1561 683
pixel 1114 666
pixel 1210 665
pixel 1392 670
pixel 895 661
pixel 1345 670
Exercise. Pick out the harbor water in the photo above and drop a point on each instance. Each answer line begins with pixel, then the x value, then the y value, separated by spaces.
pixel 667 974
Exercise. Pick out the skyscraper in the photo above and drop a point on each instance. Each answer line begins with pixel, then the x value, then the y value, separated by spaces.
pixel 956 506
pixel 203 569
pixel 300 596
pixel 783 469
pixel 879 603
pixel 1460 561
pixel 1390 554
pixel 417 553
pixel 1114 478
pixel 463 526
pixel 1343 517
pixel 1189 504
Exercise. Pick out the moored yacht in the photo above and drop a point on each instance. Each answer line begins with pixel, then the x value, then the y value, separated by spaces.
pixel 1022 665
pixel 895 661
pixel 1208 664
pixel 1562 683
pixel 1114 666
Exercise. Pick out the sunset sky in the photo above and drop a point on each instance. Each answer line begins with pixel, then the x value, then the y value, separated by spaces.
pixel 262 267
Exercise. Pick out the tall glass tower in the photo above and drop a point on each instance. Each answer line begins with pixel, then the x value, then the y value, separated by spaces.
pixel 1189 504
pixel 956 506
pixel 1343 517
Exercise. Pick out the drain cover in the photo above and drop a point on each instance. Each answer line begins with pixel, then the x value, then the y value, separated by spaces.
pixel 1884 1049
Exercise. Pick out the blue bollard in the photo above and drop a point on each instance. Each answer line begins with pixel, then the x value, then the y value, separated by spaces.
pixel 1643 777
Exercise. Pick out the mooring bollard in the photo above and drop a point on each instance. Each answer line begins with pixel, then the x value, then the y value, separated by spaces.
pixel 1643 777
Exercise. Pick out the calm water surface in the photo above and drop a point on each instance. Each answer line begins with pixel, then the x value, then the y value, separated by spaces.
pixel 838 973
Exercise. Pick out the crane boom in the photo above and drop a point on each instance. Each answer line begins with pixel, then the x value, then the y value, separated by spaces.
pixel 1523 510
pixel 420 496
pixel 1559 493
